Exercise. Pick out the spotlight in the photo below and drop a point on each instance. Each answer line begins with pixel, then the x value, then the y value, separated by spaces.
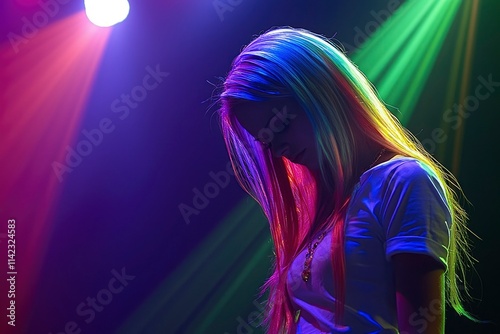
pixel 105 13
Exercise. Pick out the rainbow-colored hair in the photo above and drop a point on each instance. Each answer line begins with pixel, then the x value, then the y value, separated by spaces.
pixel 339 102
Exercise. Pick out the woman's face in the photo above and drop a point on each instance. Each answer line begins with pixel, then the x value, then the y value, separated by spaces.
pixel 282 127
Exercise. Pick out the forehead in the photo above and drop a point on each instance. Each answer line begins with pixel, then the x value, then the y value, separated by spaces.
pixel 255 116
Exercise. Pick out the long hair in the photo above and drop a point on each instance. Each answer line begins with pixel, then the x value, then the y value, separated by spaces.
pixel 339 102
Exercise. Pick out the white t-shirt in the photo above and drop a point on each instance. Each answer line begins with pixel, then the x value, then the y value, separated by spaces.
pixel 397 207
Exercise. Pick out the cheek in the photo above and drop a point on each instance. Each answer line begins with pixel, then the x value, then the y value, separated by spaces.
pixel 308 141
pixel 305 134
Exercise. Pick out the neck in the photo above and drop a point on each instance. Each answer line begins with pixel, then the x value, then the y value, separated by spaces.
pixel 368 158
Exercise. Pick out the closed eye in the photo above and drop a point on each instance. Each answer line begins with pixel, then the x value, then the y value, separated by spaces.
pixel 274 126
pixel 264 144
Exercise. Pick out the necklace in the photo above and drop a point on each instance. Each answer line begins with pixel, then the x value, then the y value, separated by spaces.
pixel 311 247
pixel 306 273
pixel 378 157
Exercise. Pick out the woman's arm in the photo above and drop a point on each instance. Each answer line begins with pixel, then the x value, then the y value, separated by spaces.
pixel 420 293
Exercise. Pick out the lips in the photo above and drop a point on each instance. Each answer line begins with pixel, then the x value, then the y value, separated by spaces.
pixel 298 157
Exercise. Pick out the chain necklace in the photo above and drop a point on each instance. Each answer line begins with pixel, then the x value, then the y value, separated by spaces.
pixel 378 157
pixel 306 273
pixel 311 247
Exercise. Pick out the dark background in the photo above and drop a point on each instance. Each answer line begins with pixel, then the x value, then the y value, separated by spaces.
pixel 120 207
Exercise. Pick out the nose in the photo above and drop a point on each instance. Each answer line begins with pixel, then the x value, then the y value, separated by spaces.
pixel 280 149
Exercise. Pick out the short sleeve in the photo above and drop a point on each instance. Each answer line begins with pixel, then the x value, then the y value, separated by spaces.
pixel 415 214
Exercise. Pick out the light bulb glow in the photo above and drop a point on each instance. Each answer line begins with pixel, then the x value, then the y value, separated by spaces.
pixel 105 13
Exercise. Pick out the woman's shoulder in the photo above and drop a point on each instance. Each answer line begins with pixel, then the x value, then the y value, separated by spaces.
pixel 396 162
pixel 399 168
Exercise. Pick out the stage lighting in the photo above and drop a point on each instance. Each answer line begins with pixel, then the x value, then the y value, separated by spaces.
pixel 105 13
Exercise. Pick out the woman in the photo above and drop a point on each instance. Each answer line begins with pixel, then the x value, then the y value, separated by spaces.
pixel 367 229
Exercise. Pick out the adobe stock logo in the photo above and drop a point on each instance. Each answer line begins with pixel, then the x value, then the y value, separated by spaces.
pixel 420 320
pixel 254 320
pixel 277 125
pixel 379 18
pixel 40 19
pixel 455 115
pixel 87 309
pixel 211 190
pixel 221 179
pixel 222 6
pixel 121 107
